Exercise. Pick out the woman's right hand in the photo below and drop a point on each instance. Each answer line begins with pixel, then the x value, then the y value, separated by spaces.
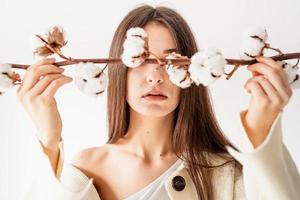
pixel 36 94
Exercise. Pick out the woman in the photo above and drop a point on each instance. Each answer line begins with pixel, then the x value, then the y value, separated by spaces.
pixel 166 147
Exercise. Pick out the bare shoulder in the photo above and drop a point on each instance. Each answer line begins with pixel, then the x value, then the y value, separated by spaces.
pixel 90 154
pixel 87 159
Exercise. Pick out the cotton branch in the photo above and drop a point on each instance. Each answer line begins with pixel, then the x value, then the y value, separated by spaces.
pixel 180 61
pixel 204 67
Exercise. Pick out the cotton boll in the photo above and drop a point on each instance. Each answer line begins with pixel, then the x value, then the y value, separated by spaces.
pixel 257 31
pixel 254 43
pixel 54 38
pixel 136 31
pixel 134 46
pixel 296 82
pixel 178 76
pixel 211 52
pixel 291 71
pixel 92 87
pixel 36 43
pixel 251 47
pixel 292 74
pixel 39 48
pixel 131 62
pixel 201 75
pixel 88 80
pixel 207 66
pixel 203 56
pixel 56 28
pixel 88 70
pixel 5 81
pixel 6 68
pixel 56 35
pixel 216 64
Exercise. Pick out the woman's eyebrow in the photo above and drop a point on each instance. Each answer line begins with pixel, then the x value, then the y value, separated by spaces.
pixel 170 50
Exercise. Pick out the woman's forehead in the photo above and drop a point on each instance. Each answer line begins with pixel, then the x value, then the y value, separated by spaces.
pixel 160 39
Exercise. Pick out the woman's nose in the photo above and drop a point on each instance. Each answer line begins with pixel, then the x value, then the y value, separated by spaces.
pixel 155 76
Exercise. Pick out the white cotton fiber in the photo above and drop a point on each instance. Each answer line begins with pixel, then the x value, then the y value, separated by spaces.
pixel 207 66
pixel 88 80
pixel 254 43
pixel 134 47
pixel 5 81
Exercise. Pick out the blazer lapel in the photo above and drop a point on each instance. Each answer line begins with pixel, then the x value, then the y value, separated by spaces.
pixel 179 184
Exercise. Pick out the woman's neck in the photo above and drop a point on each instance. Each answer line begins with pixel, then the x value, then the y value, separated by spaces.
pixel 150 137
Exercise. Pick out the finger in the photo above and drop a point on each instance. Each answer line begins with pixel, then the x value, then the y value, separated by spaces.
pixel 266 69
pixel 269 90
pixel 255 73
pixel 272 63
pixel 272 75
pixel 54 85
pixel 255 89
pixel 33 75
pixel 41 85
pixel 268 61
pixel 44 61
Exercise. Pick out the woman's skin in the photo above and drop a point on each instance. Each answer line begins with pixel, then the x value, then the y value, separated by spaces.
pixel 270 93
pixel 36 94
pixel 151 122
pixel 145 152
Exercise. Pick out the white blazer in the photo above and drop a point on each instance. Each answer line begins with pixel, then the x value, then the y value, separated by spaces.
pixel 268 173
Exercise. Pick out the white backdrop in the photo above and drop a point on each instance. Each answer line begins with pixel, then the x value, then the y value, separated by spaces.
pixel 90 26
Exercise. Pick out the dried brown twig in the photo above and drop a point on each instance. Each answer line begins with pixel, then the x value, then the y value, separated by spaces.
pixel 54 40
pixel 180 61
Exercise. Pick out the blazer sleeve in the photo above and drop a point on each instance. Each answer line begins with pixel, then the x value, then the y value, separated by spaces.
pixel 67 183
pixel 269 171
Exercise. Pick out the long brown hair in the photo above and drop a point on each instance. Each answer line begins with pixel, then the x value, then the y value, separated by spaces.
pixel 196 130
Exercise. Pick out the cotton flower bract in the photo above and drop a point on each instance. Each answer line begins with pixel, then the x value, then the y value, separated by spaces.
pixel 50 43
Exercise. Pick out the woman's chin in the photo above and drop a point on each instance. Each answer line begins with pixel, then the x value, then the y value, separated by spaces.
pixel 157 111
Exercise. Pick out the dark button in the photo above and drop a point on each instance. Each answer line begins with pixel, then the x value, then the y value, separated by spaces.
pixel 178 183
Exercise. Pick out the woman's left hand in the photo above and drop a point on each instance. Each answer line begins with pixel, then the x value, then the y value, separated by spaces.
pixel 270 93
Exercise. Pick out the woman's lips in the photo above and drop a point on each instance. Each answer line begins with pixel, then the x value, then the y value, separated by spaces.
pixel 155 97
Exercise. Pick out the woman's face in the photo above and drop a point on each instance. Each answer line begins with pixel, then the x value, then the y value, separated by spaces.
pixel 146 77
